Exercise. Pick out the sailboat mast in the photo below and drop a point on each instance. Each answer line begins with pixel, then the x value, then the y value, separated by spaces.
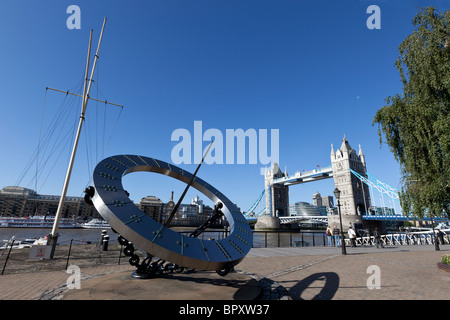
pixel 86 91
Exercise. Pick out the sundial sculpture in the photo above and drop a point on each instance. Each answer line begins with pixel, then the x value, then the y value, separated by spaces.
pixel 172 251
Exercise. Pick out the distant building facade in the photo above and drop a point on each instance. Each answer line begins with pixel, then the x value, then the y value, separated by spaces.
pixel 23 202
pixel 193 214
pixel 153 207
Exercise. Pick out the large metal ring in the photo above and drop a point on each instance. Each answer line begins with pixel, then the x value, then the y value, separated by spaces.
pixel 114 205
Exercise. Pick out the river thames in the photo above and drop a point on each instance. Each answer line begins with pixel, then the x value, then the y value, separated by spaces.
pixel 82 236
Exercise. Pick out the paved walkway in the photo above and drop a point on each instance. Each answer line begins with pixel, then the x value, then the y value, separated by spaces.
pixel 405 273
pixel 47 284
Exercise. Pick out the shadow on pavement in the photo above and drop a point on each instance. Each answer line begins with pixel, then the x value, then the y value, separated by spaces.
pixel 328 290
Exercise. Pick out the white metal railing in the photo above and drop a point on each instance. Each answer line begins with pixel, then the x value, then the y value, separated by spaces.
pixel 416 238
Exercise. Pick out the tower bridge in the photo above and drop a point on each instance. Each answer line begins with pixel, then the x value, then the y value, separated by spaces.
pixel 349 171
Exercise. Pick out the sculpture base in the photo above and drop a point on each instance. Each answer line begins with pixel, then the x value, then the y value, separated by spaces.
pixel 203 285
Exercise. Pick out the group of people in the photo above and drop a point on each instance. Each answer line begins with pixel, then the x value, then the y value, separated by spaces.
pixel 334 237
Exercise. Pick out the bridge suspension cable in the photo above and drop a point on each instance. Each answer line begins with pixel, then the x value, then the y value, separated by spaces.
pixel 255 204
pixel 378 185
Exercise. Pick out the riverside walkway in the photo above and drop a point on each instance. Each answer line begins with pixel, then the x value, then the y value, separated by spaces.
pixel 291 273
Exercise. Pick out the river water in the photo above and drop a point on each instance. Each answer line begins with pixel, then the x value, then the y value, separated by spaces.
pixel 79 236
pixel 82 236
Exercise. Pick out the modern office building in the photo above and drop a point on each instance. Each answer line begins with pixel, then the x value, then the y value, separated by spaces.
pixel 324 204
pixel 304 209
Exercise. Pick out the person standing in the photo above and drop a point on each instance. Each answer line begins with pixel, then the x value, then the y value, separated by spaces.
pixel 377 236
pixel 337 237
pixel 352 236
pixel 329 234
pixel 440 235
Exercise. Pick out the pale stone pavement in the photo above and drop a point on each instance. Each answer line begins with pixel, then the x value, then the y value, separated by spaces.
pixel 406 273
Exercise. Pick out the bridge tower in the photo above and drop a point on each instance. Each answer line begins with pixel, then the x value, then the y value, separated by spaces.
pixel 355 197
pixel 277 195
pixel 277 200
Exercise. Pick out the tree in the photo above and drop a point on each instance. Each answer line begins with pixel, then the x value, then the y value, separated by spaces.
pixel 416 124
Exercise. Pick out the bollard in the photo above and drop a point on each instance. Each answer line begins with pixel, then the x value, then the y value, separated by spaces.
pixel 103 234
pixel 105 242
pixel 102 239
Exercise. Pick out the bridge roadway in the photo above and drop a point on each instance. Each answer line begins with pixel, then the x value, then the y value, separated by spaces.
pixel 292 219
pixel 308 176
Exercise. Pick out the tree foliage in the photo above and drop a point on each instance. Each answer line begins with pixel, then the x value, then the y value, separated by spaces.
pixel 416 124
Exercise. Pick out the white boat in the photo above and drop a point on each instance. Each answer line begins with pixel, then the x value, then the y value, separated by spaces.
pixel 96 224
pixel 20 244
pixel 36 222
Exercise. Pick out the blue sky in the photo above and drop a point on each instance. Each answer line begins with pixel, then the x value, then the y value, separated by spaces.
pixel 311 69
